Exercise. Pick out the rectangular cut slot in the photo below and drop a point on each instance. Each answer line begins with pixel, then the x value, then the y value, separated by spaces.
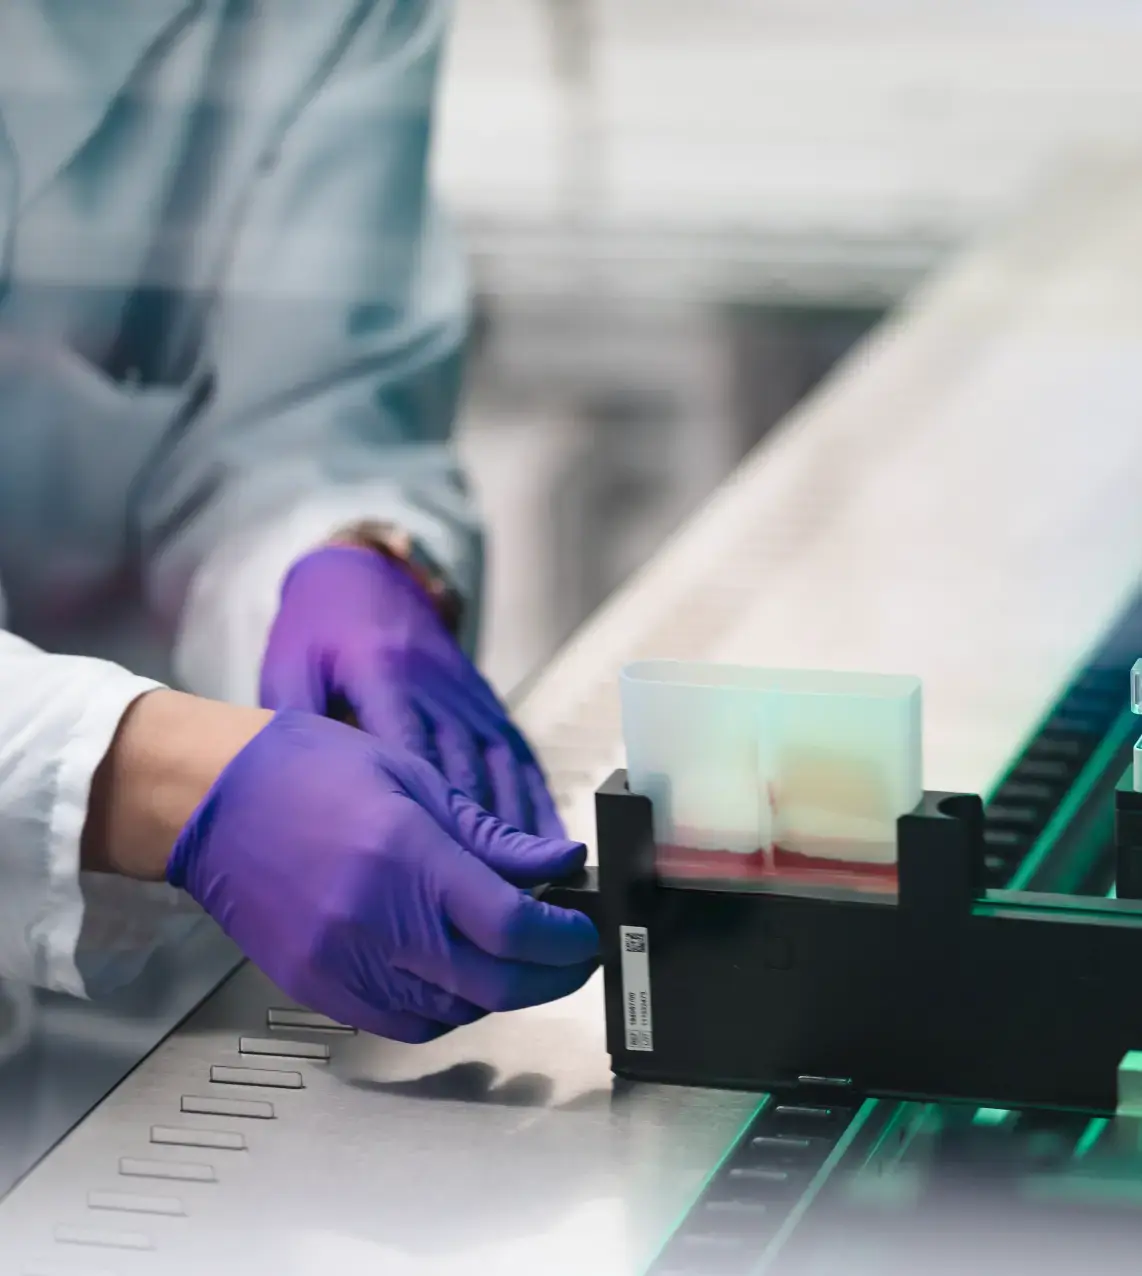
pixel 132 1203
pixel 223 1140
pixel 774 776
pixel 173 1171
pixel 267 1078
pixel 253 1109
pixel 103 1238
pixel 279 1018
pixel 318 1051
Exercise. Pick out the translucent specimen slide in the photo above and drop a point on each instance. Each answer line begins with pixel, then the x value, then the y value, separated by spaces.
pixel 776 768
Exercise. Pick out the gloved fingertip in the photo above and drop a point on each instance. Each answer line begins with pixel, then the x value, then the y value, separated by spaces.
pixel 557 857
pixel 530 861
pixel 541 985
pixel 579 974
pixel 573 937
pixel 587 934
pixel 574 852
pixel 408 1029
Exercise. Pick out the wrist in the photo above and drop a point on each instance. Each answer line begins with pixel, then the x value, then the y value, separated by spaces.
pixel 398 547
pixel 166 755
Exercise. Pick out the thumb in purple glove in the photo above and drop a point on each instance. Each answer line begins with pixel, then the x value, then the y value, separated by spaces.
pixel 354 629
pixel 371 891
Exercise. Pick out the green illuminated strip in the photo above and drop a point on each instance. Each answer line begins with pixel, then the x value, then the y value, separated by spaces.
pixel 819 1179
pixel 894 1122
pixel 731 1148
pixel 991 1116
pixel 911 1116
pixel 1124 726
pixel 1091 1136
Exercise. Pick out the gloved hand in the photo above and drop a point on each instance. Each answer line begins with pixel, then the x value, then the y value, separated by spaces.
pixel 370 890
pixel 356 630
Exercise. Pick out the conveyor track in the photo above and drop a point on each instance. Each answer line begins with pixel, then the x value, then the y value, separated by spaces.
pixel 1048 820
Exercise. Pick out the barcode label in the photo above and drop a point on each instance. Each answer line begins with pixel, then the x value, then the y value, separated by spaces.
pixel 636 988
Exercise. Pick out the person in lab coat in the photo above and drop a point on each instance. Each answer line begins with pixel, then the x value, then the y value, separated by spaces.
pixel 232 326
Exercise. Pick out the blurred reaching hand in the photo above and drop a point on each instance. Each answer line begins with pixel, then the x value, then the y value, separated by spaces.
pixel 355 631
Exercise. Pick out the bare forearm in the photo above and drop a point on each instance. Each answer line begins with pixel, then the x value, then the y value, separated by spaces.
pixel 167 753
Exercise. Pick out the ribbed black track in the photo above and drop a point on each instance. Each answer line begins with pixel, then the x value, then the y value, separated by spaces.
pixel 1046 771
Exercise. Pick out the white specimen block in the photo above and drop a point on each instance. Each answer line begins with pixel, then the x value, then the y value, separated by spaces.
pixel 748 760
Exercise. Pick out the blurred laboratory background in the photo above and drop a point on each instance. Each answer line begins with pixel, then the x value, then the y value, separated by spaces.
pixel 682 213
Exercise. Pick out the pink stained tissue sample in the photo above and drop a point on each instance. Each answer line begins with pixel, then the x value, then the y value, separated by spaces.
pixel 772 778
pixel 824 862
pixel 776 867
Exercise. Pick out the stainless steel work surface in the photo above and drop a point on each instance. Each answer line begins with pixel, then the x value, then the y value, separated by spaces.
pixel 960 501
pixel 461 1156
pixel 59 1057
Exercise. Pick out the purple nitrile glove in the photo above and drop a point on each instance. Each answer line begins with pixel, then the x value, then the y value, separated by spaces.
pixel 355 630
pixel 371 891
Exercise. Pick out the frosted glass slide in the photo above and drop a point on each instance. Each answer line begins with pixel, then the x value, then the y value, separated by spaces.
pixel 749 761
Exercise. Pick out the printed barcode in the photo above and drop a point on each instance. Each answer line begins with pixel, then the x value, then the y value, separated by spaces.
pixel 636 988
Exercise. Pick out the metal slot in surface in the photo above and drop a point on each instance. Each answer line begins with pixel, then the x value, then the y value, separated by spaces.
pixel 283 1017
pixel 284 1049
pixel 254 1109
pixel 713 1241
pixel 269 1078
pixel 759 1174
pixel 100 1238
pixel 133 1203
pixel 780 1143
pixel 174 1171
pixel 735 1208
pixel 746 1204
pixel 221 1139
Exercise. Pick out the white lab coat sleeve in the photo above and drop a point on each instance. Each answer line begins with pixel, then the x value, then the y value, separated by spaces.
pixel 58 716
pixel 333 367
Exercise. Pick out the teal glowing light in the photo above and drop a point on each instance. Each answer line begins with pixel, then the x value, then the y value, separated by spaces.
pixel 991 1116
